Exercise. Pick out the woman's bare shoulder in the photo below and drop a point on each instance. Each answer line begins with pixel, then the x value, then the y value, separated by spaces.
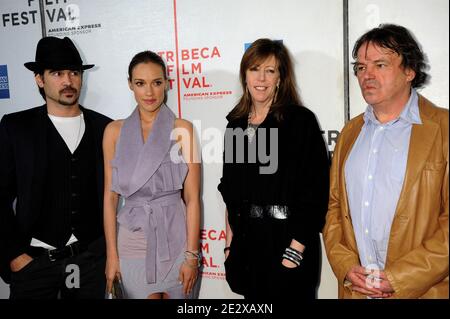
pixel 112 130
pixel 182 123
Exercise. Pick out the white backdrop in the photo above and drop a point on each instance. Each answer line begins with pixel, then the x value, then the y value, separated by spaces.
pixel 203 42
pixel 428 20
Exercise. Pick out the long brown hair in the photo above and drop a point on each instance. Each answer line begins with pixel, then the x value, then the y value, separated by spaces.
pixel 286 93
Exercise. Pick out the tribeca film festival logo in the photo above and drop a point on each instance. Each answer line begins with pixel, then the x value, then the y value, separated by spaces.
pixel 211 237
pixel 15 19
pixel 4 85
pixel 58 12
pixel 193 80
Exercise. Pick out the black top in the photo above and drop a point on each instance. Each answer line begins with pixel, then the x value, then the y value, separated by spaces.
pixel 301 180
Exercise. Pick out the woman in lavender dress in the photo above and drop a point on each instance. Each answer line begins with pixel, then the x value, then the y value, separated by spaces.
pixel 152 242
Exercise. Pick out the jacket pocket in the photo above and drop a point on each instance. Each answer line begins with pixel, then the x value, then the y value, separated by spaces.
pixel 434 166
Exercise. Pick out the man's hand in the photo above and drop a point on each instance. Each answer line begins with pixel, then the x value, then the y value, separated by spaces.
pixel 19 262
pixel 379 279
pixel 369 282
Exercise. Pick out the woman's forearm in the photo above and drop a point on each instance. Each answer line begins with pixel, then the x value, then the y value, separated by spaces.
pixel 110 223
pixel 193 224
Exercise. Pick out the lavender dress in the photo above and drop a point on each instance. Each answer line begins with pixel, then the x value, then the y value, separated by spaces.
pixel 152 222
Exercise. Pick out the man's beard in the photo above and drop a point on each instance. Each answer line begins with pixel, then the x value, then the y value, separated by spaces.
pixel 68 102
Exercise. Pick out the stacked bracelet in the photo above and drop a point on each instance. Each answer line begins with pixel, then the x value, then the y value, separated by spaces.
pixel 193 255
pixel 293 255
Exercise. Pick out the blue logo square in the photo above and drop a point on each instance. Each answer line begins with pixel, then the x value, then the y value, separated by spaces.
pixel 247 45
pixel 4 84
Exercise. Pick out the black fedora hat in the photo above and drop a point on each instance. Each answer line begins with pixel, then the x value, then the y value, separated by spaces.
pixel 56 54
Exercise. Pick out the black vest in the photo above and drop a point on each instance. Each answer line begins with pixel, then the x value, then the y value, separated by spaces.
pixel 70 203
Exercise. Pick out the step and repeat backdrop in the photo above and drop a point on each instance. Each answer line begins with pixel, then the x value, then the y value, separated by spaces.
pixel 202 42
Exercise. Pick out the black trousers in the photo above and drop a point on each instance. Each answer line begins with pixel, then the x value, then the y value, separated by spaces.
pixel 77 277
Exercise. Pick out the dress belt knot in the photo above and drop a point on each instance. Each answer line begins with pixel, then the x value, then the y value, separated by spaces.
pixel 157 234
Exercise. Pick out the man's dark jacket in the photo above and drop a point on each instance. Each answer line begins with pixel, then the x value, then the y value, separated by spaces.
pixel 23 167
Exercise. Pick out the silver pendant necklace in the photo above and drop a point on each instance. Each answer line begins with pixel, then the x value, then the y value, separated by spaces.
pixel 251 128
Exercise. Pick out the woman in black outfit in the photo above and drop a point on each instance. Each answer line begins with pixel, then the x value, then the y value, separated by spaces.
pixel 275 182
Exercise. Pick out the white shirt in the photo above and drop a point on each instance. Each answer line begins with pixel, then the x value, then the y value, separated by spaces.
pixel 374 175
pixel 71 129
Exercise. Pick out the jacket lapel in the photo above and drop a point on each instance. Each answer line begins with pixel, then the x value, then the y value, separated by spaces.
pixel 149 156
pixel 127 150
pixel 346 148
pixel 39 150
pixel 420 145
pixel 97 135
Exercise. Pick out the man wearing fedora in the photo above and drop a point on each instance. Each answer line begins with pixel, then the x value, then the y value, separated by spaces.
pixel 51 185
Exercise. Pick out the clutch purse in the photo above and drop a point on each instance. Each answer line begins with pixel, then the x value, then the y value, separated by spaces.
pixel 117 290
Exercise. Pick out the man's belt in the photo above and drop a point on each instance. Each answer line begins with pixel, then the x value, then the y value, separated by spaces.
pixel 71 250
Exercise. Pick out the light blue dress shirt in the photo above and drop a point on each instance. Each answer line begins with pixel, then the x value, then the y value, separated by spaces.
pixel 374 174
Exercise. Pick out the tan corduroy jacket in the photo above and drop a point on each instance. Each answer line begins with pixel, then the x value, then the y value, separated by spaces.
pixel 417 256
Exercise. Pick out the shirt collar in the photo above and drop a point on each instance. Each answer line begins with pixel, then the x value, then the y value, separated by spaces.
pixel 410 113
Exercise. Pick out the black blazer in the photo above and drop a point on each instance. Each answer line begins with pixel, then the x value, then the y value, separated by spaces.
pixel 23 163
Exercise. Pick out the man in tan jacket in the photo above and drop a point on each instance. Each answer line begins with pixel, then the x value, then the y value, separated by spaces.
pixel 386 232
